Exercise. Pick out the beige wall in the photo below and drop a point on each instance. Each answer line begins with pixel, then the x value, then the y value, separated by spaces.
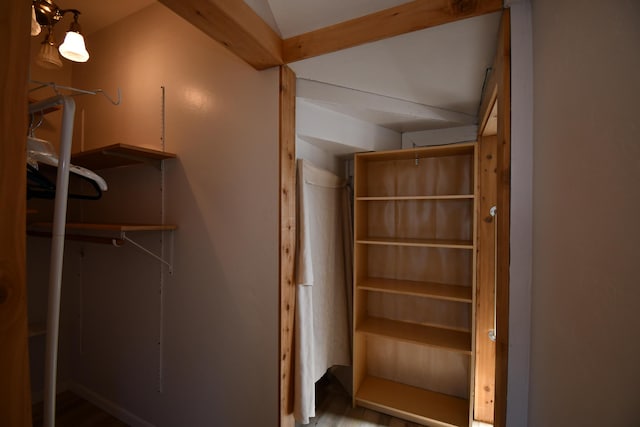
pixel 219 310
pixel 586 286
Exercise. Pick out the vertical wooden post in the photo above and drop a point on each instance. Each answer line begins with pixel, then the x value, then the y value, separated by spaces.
pixel 287 239
pixel 503 74
pixel 485 359
pixel 15 393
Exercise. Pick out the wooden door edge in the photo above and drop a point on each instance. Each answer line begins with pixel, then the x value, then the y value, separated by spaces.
pixel 287 241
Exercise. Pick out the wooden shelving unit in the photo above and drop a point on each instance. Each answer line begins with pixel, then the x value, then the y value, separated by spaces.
pixel 415 242
pixel 111 156
pixel 118 155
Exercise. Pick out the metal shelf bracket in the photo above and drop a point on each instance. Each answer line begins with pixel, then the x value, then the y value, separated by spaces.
pixel 169 264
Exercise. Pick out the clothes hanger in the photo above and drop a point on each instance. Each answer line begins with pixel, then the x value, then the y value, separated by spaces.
pixel 39 186
pixel 41 151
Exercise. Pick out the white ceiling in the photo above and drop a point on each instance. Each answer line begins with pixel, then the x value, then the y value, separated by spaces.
pixel 441 67
pixel 293 17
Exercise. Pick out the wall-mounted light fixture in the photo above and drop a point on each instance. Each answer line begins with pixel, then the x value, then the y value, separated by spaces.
pixel 48 14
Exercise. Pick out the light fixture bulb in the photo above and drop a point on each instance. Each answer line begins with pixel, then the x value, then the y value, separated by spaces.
pixel 48 55
pixel 73 47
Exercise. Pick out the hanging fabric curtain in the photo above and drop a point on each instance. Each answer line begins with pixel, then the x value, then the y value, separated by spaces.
pixel 323 292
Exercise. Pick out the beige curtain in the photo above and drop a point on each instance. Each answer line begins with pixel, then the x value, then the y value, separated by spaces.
pixel 323 293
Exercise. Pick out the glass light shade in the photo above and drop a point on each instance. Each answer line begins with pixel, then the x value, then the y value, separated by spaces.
pixel 48 56
pixel 73 47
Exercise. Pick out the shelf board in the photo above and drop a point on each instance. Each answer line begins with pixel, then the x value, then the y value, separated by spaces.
pixel 36 329
pixel 416 404
pixel 456 149
pixel 431 243
pixel 442 197
pixel 117 155
pixel 108 227
pixel 448 339
pixel 420 289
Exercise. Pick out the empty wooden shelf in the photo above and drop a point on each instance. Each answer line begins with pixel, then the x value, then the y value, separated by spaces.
pixel 101 233
pixel 441 197
pixel 419 289
pixel 107 226
pixel 106 233
pixel 433 336
pixel 413 403
pixel 118 155
pixel 432 243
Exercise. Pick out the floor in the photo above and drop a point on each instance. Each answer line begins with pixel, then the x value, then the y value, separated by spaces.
pixel 74 411
pixel 333 409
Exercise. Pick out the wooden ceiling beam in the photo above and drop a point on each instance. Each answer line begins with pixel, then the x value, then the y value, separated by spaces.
pixel 405 18
pixel 236 26
pixel 242 31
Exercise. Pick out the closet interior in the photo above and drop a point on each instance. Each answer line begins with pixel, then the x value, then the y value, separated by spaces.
pixel 79 221
pixel 424 241
pixel 142 271
pixel 423 197
pixel 51 222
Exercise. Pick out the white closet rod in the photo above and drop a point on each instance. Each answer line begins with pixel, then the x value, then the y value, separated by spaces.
pixel 77 91
pixel 57 249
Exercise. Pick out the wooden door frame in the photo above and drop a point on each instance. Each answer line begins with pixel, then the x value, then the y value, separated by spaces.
pixel 287 237
pixel 497 90
pixel 495 119
pixel 15 392
pixel 503 81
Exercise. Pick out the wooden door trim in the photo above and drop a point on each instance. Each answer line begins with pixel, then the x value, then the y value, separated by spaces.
pixel 498 91
pixel 484 385
pixel 287 203
pixel 242 31
pixel 15 392
pixel 235 25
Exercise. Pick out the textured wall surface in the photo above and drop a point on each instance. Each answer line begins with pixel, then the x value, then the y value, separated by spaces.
pixel 585 327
